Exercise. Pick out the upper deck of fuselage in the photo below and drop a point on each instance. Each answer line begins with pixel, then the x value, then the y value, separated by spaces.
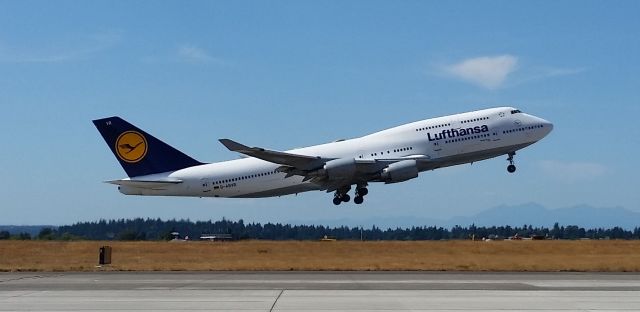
pixel 440 122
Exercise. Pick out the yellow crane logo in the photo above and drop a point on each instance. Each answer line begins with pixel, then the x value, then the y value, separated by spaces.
pixel 131 146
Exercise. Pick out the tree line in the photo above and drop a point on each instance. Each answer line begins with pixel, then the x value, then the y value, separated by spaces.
pixel 157 229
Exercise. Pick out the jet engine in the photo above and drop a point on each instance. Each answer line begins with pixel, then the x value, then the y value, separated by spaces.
pixel 400 171
pixel 340 168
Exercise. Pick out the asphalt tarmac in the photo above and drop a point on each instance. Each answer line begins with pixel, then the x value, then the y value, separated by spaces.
pixel 319 291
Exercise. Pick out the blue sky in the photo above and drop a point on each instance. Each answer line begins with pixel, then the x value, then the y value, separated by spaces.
pixel 285 74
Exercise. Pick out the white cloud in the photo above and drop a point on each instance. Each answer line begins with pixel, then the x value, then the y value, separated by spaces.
pixel 193 54
pixel 572 171
pixel 488 71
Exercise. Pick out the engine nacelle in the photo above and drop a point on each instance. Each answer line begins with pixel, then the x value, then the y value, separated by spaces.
pixel 340 168
pixel 400 171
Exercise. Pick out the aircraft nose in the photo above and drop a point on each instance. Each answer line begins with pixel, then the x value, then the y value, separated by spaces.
pixel 546 125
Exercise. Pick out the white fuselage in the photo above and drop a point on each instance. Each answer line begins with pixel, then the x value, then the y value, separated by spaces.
pixel 445 141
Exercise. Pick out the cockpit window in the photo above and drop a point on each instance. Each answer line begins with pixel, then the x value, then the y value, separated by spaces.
pixel 515 111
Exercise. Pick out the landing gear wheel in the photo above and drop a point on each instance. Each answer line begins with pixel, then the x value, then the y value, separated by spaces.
pixel 511 168
pixel 358 200
pixel 360 193
pixel 346 198
pixel 337 201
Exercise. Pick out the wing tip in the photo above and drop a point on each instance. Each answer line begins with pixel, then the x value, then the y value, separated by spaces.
pixel 232 145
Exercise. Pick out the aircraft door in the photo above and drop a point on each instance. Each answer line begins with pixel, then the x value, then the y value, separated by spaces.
pixel 434 149
pixel 206 185
pixel 455 124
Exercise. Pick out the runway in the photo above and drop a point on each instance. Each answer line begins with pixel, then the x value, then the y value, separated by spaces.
pixel 319 291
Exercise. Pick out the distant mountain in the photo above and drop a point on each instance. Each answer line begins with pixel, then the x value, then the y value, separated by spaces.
pixel 537 215
pixel 530 214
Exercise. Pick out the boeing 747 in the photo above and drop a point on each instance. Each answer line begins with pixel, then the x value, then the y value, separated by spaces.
pixel 389 156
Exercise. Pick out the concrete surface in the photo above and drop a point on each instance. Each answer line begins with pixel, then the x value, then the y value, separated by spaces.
pixel 319 291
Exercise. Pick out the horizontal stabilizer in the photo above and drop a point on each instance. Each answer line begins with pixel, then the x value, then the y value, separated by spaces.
pixel 146 184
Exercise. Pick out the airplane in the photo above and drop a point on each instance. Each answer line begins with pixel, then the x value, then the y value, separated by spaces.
pixel 394 155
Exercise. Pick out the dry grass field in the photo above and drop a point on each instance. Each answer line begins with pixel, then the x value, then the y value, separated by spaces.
pixel 607 256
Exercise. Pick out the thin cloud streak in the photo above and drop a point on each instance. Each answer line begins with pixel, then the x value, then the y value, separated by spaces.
pixel 62 52
pixel 541 73
pixel 194 54
pixel 572 172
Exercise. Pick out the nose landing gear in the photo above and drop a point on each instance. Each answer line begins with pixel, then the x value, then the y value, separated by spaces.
pixel 511 168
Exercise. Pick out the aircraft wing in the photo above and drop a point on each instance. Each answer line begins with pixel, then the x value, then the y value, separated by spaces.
pixel 301 162
pixel 312 167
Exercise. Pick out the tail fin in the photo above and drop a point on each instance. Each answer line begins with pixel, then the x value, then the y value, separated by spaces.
pixel 138 152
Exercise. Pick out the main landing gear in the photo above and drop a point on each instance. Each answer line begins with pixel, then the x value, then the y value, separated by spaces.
pixel 511 168
pixel 341 196
pixel 360 193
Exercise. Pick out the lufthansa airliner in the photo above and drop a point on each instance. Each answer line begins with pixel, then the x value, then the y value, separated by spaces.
pixel 389 156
